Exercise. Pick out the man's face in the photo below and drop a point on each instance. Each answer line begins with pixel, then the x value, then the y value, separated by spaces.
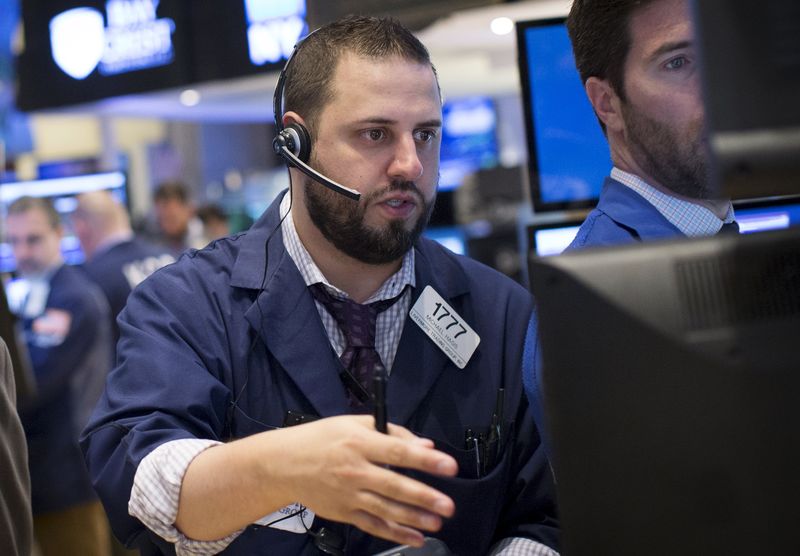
pixel 663 112
pixel 36 245
pixel 173 217
pixel 380 135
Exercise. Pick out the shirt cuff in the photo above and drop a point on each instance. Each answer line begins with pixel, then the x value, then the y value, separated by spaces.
pixel 156 493
pixel 519 546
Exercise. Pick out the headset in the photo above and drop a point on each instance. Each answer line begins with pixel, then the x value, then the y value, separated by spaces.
pixel 293 142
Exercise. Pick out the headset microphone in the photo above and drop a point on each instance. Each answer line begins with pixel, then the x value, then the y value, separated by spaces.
pixel 293 143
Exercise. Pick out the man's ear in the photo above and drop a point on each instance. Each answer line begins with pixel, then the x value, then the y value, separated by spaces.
pixel 606 103
pixel 292 118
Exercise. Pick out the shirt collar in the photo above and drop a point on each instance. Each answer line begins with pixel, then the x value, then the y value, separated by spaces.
pixel 313 275
pixel 690 218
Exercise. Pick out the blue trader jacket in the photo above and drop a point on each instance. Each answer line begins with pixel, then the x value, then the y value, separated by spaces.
pixel 120 268
pixel 223 343
pixel 621 216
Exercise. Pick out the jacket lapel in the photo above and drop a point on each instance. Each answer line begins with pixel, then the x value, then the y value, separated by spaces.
pixel 419 361
pixel 286 318
pixel 629 209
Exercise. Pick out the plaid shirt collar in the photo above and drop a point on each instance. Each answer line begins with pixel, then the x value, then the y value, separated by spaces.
pixel 690 218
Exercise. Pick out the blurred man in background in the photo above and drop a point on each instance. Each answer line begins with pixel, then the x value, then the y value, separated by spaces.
pixel 638 61
pixel 65 325
pixel 178 226
pixel 115 259
pixel 215 222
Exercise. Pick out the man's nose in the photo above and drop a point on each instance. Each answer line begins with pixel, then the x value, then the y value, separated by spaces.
pixel 406 164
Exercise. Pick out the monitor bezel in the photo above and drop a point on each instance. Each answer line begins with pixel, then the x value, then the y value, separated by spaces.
pixel 539 205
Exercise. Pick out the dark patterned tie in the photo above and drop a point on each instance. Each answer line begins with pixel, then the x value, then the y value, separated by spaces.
pixel 359 357
pixel 729 228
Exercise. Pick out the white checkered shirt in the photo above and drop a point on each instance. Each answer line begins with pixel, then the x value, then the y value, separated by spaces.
pixel 690 218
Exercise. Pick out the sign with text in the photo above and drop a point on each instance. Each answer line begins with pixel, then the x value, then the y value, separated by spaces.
pixel 78 51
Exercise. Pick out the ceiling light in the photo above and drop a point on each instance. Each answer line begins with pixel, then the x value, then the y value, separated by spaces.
pixel 190 97
pixel 501 25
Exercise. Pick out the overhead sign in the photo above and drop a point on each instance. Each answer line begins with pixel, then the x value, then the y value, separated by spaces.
pixel 76 51
pixel 273 28
pixel 135 38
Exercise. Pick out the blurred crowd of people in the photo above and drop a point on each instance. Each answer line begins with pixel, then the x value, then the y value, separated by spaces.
pixel 59 334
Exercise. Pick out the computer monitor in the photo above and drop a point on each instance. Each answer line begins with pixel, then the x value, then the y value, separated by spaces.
pixel 63 192
pixel 670 380
pixel 568 156
pixel 669 369
pixel 754 118
pixel 767 214
pixel 551 238
pixel 469 139
pixel 452 237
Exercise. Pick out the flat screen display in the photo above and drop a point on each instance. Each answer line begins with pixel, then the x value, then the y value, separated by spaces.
pixel 469 139
pixel 552 239
pixel 771 214
pixel 452 237
pixel 568 156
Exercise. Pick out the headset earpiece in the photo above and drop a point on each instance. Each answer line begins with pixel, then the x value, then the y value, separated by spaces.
pixel 301 140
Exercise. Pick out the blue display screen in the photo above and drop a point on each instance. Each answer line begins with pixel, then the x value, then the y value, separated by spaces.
pixel 469 139
pixel 568 156
pixel 769 217
pixel 452 237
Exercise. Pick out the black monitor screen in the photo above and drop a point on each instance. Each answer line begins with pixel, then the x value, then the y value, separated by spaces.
pixel 62 192
pixel 669 373
pixel 568 156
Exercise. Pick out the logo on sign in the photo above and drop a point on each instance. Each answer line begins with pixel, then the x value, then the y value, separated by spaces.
pixel 77 39
pixel 135 38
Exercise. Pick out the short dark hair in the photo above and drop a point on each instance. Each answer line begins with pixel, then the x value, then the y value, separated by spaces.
pixel 172 190
pixel 308 77
pixel 211 212
pixel 25 204
pixel 601 38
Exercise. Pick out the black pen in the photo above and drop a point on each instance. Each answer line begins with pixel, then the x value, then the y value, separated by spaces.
pixel 379 395
pixel 493 436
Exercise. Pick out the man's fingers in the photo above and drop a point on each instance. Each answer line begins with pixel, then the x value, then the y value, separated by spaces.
pixel 412 453
pixel 402 432
pixel 406 493
pixel 390 531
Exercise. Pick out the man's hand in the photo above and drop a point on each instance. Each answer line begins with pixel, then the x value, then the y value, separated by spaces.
pixel 337 467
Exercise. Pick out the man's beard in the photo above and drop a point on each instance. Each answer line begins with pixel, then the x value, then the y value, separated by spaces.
pixel 341 221
pixel 674 160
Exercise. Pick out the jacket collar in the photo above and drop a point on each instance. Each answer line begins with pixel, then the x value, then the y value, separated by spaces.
pixel 630 210
pixel 249 269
